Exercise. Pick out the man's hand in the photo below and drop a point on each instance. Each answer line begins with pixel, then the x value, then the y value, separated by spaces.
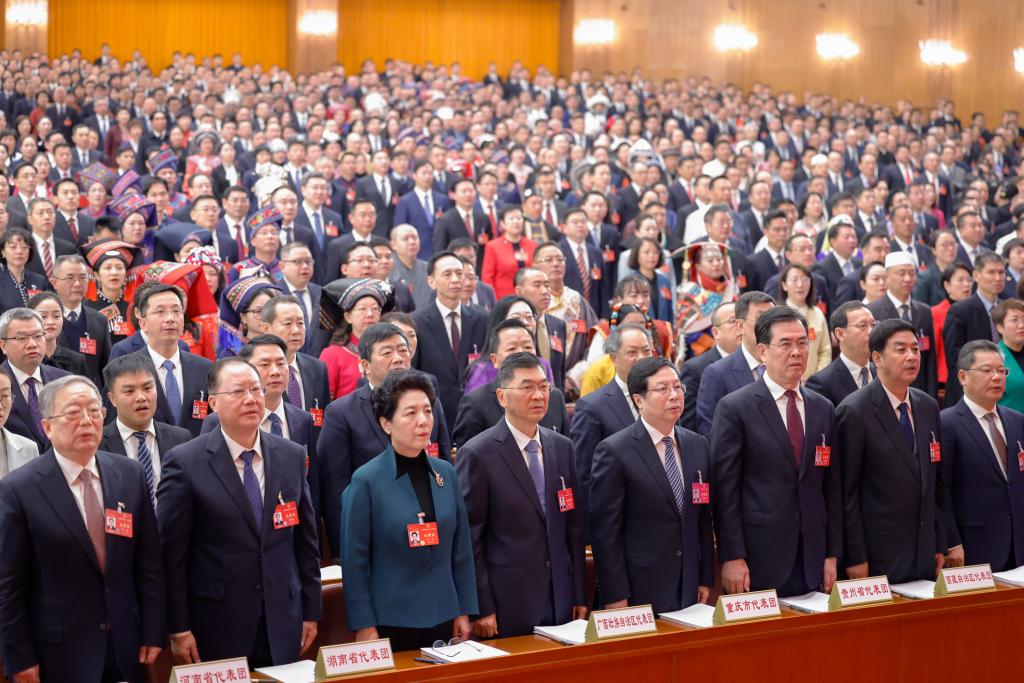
pixel 368 633
pixel 486 627
pixel 147 654
pixel 955 557
pixel 184 649
pixel 308 635
pixel 28 675
pixel 858 571
pixel 616 605
pixel 940 560
pixel 831 573
pixel 460 627
pixel 580 612
pixel 703 593
pixel 735 576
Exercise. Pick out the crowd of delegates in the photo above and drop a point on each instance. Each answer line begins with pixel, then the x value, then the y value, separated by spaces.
pixel 450 331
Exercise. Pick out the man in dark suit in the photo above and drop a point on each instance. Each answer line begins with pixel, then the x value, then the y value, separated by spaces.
pixel 457 221
pixel 517 477
pixel 901 276
pixel 899 175
pixel 925 223
pixel 971 318
pixel 770 261
pixel 970 236
pixel 851 370
pixel 65 118
pixel 874 247
pixel 131 383
pixel 308 387
pixel 778 499
pixel 578 250
pixel 532 285
pixel 42 217
pixel 356 437
pixel 905 238
pixel 24 178
pixel 182 398
pixel 132 344
pixel 455 332
pixel 239 584
pixel 229 231
pixel 480 409
pixel 314 213
pixel 65 570
pixel 650 516
pixel 422 206
pixel 21 340
pixel 984 480
pixel 607 410
pixel 297 268
pixel 382 189
pixel 737 370
pixel 362 216
pixel 71 225
pixel 85 330
pixel 727 331
pixel 840 260
pixel 886 432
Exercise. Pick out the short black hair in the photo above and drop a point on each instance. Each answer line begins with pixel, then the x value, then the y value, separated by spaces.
pixel 873 235
pixel 40 297
pixel 772 317
pixel 501 326
pixel 643 370
pixel 128 364
pixel 886 329
pixel 385 397
pixel 109 223
pixel 375 334
pixel 249 349
pixel 965 359
pixel 271 305
pixel 213 376
pixel 142 301
pixel 516 361
pixel 748 299
pixel 447 253
pixel 840 317
pixel 950 272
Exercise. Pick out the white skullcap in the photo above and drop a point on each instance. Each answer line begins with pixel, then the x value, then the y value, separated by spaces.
pixel 898 258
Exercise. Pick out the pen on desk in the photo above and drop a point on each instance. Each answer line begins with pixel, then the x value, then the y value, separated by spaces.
pixel 427 661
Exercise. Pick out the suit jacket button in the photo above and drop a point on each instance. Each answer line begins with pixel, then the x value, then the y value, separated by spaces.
pixel 259 588
pixel 104 626
pixel 547 564
pixel 679 553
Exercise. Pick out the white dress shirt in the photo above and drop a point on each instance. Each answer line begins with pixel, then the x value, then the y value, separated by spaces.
pixel 979 414
pixel 752 362
pixel 522 440
pixel 39 247
pixel 20 377
pixel 625 392
pixel 162 373
pixel 575 247
pixel 131 446
pixel 265 425
pixel 778 393
pixel 236 450
pixel 445 311
pixel 298 379
pixel 659 446
pixel 895 403
pixel 72 470
pixel 854 369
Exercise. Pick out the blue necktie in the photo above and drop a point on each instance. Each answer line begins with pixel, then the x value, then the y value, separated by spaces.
pixel 275 425
pixel 319 227
pixel 427 210
pixel 33 404
pixel 537 472
pixel 252 487
pixel 172 392
pixel 146 460
pixel 906 426
pixel 675 478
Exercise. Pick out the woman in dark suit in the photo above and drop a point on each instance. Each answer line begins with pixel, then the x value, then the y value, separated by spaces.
pixel 48 306
pixel 406 551
pixel 508 254
pixel 646 258
pixel 17 285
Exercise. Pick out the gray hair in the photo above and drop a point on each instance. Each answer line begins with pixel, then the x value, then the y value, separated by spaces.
pixel 69 258
pixel 12 314
pixel 614 341
pixel 48 394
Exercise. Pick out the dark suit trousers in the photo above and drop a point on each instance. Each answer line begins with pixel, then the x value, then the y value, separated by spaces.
pixel 403 638
pixel 111 671
pixel 260 653
pixel 796 584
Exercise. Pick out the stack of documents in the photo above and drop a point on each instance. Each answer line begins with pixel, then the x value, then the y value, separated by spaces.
pixel 296 672
pixel 694 616
pixel 917 590
pixel 573 633
pixel 467 651
pixel 814 602
pixel 331 572
pixel 1014 577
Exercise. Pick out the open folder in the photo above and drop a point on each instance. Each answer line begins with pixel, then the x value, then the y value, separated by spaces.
pixel 1013 577
pixel 573 633
pixel 467 651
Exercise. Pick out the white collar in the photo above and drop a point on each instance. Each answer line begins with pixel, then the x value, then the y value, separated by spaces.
pixel 522 439
pixel 850 365
pixel 127 432
pixel 656 436
pixel 751 361
pixel 236 449
pixel 897 303
pixel 977 410
pixel 893 400
pixel 445 310
pixel 279 411
pixel 158 359
pixel 21 376
pixel 72 469
pixel 778 391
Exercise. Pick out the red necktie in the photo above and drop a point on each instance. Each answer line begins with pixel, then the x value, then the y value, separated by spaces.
pixel 581 265
pixel 548 218
pixel 73 226
pixel 906 172
pixel 469 225
pixel 494 219
pixel 794 426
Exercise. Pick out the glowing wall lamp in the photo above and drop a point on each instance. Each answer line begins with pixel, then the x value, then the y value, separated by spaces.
pixel 27 13
pixel 940 53
pixel 836 46
pixel 594 32
pixel 733 38
pixel 318 23
pixel 1018 60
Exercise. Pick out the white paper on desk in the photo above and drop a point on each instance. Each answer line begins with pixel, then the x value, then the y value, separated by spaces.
pixel 330 573
pixel 814 602
pixel 918 590
pixel 468 651
pixel 296 672
pixel 573 633
pixel 1013 577
pixel 695 616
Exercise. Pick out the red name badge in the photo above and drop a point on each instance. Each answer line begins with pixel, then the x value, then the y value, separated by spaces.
pixel 432 450
pixel 394 199
pixel 119 523
pixel 119 327
pixel 811 334
pixel 701 494
pixel 200 408
pixel 286 515
pixel 935 451
pixel 595 273
pixel 609 255
pixel 565 500
pixel 822 455
pixel 483 237
pixel 519 256
pixel 1020 461
pixel 31 292
pixel 421 535
pixel 318 416
pixel 580 326
pixel 665 293
pixel 925 343
pixel 87 346
pixel 556 344
pixel 331 230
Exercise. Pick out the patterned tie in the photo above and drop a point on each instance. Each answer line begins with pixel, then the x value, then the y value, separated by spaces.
pixel 73 227
pixel 906 425
pixel 794 426
pixel 675 479
pixel 992 325
pixel 94 518
pixel 240 242
pixel 172 392
pixel 759 371
pixel 252 487
pixel 33 403
pixel 581 265
pixel 275 425
pixel 865 377
pixel 905 312
pixel 384 192
pixel 73 317
pixel 536 472
pixel 146 460
pixel 47 259
pixel 318 226
pixel 453 320
pixel 997 439
pixel 294 392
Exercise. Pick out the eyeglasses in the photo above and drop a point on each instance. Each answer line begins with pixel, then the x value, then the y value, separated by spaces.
pixel 95 414
pixel 164 312
pixel 366 310
pixel 301 262
pixel 363 259
pixel 788 346
pixel 1001 371
pixel 240 394
pixel 667 389
pixel 531 388
pixel 72 278
pixel 254 311
pixel 552 260
pixel 26 338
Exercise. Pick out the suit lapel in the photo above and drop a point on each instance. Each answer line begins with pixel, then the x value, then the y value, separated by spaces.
pixel 224 467
pixel 513 457
pixel 619 405
pixel 979 436
pixel 112 440
pixel 110 483
pixel 272 485
pixel 20 406
pixel 891 426
pixel 364 404
pixel 649 456
pixel 740 370
pixel 922 437
pixel 57 493
pixel 770 412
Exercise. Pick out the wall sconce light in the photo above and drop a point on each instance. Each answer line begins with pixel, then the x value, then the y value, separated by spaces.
pixel 836 46
pixel 733 38
pixel 318 23
pixel 1018 60
pixel 27 13
pixel 594 32
pixel 940 53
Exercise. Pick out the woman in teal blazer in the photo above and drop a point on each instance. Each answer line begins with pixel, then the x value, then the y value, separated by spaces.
pixel 1014 396
pixel 406 553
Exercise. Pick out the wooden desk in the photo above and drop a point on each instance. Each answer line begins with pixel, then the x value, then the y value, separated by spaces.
pixel 958 638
